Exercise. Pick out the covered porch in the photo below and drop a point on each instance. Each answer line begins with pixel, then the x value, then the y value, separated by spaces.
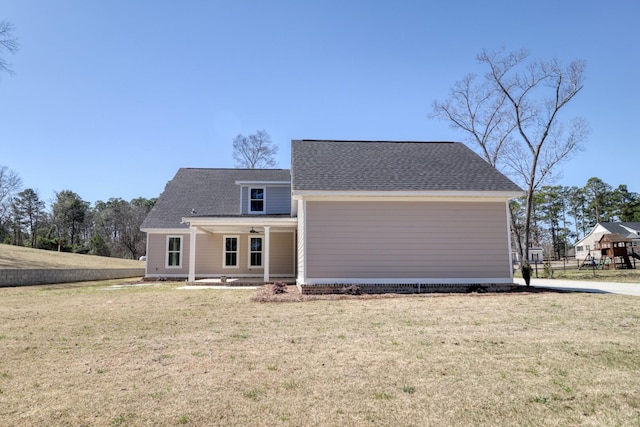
pixel 243 249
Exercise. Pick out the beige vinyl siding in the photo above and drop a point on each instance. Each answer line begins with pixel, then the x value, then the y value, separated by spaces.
pixel 439 240
pixel 282 254
pixel 157 255
pixel 209 255
pixel 211 260
pixel 277 200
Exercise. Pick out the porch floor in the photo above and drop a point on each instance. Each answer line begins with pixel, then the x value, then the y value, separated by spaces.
pixel 244 281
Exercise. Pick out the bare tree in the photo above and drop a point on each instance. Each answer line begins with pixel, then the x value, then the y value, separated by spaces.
pixel 254 151
pixel 8 44
pixel 10 183
pixel 513 117
pixel 479 110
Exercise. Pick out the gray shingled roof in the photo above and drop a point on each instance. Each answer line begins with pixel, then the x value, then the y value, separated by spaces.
pixel 388 166
pixel 619 228
pixel 210 192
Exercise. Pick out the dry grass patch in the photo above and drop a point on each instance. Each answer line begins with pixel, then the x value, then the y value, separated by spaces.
pixel 21 257
pixel 155 355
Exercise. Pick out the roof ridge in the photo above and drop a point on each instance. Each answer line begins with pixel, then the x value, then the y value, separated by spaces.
pixel 379 141
pixel 236 169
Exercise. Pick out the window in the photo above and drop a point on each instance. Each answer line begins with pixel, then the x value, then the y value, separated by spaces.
pixel 579 248
pixel 174 251
pixel 256 200
pixel 230 251
pixel 255 252
pixel 588 247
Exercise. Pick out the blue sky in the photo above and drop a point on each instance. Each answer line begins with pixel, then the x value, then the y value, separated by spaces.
pixel 110 98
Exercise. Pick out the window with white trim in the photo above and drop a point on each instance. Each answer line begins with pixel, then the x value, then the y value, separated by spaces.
pixel 174 251
pixel 230 251
pixel 255 252
pixel 256 200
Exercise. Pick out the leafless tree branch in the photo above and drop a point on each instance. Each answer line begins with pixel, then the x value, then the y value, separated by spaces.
pixel 254 151
pixel 513 116
pixel 8 44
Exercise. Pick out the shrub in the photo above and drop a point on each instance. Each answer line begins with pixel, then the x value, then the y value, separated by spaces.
pixel 351 290
pixel 279 288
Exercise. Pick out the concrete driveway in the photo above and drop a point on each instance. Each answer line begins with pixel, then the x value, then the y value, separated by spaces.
pixel 583 286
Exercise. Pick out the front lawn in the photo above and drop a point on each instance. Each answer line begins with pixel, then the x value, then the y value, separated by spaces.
pixel 105 355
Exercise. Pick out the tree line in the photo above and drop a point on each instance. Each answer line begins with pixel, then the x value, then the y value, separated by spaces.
pixel 71 224
pixel 563 215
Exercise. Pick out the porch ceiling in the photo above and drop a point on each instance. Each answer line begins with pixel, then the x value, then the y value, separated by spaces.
pixel 217 229
pixel 241 224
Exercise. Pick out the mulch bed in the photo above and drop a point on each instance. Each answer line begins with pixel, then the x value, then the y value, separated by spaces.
pixel 291 293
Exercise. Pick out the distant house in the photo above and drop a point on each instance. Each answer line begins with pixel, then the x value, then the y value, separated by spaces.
pixel 586 247
pixel 372 213
pixel 536 255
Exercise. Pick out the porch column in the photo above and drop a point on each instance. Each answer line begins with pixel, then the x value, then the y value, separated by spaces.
pixel 265 261
pixel 192 255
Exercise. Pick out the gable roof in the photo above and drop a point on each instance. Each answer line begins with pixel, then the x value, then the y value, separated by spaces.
pixel 208 192
pixel 625 229
pixel 328 165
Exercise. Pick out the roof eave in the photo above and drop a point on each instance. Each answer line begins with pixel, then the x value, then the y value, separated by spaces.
pixel 430 194
pixel 241 221
pixel 271 183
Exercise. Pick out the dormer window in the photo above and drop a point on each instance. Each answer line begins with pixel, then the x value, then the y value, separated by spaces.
pixel 256 200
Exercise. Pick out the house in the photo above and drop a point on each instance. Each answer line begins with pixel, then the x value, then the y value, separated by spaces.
pixel 222 222
pixel 586 247
pixel 536 255
pixel 380 214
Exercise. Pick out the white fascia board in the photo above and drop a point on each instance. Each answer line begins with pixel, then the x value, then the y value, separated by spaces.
pixel 412 281
pixel 407 195
pixel 591 233
pixel 630 229
pixel 241 221
pixel 165 230
pixel 264 183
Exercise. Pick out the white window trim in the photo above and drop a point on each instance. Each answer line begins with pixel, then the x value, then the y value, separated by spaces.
pixel 181 252
pixel 264 200
pixel 224 251
pixel 250 252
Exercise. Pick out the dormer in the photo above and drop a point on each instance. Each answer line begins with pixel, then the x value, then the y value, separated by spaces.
pixel 265 197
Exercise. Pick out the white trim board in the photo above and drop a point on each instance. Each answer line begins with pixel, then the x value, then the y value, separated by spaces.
pixel 396 281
